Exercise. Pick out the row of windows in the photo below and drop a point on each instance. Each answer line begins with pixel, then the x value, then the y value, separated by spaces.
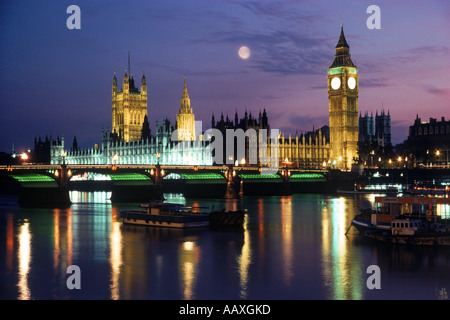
pixel 135 118
pixel 434 130
pixel 405 225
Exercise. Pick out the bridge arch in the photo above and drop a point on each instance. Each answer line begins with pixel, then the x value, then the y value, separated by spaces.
pixel 34 180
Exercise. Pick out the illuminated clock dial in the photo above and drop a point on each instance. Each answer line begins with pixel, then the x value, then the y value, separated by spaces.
pixel 335 83
pixel 351 83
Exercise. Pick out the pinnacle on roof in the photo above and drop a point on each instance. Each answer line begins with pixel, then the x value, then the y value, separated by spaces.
pixel 342 56
pixel 185 93
pixel 342 43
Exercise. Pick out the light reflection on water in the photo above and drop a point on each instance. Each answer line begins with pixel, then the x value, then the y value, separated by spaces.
pixel 243 261
pixel 24 257
pixel 341 270
pixel 115 255
pixel 291 247
pixel 287 240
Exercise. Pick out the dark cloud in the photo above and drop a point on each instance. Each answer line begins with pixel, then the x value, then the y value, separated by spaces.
pixel 288 10
pixel 373 83
pixel 279 51
pixel 444 92
pixel 415 57
pixel 291 53
pixel 287 44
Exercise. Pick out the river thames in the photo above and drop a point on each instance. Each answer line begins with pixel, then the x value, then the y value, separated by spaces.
pixel 291 248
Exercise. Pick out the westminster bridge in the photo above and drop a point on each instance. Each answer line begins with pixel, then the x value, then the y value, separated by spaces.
pixel 40 184
pixel 50 184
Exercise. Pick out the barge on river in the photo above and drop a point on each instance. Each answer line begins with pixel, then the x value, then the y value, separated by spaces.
pixel 405 220
pixel 170 215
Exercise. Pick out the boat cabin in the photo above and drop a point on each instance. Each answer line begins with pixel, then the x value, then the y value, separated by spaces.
pixel 172 209
pixel 404 227
pixel 417 206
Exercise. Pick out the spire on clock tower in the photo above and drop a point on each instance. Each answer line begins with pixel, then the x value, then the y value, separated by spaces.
pixel 342 56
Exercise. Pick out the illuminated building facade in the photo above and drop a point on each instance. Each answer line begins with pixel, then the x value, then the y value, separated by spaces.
pixel 125 143
pixel 185 118
pixel 307 151
pixel 129 107
pixel 248 122
pixel 137 151
pixel 310 150
pixel 343 106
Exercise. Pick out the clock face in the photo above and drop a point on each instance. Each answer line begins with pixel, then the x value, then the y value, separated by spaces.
pixel 335 83
pixel 351 83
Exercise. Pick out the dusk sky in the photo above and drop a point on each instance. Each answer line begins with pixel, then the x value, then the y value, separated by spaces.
pixel 57 81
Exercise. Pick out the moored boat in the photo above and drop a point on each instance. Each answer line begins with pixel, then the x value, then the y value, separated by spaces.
pixel 160 214
pixel 371 189
pixel 397 220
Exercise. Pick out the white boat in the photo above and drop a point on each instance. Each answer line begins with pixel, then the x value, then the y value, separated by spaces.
pixel 168 215
pixel 389 190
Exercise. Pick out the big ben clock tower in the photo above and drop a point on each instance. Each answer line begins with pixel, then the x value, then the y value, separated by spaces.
pixel 343 106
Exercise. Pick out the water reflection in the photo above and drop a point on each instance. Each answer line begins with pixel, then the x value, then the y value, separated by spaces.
pixel 56 241
pixel 9 242
pixel 341 272
pixel 189 259
pixel 24 257
pixel 244 261
pixel 290 247
pixel 90 197
pixel 69 236
pixel 115 257
pixel 177 198
pixel 443 210
pixel 287 241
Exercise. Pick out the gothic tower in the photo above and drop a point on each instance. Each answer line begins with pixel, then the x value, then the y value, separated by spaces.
pixel 343 106
pixel 185 118
pixel 129 107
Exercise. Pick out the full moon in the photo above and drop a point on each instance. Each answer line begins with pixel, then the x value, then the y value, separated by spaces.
pixel 244 52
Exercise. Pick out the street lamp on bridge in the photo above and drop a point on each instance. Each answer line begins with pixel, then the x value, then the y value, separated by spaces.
pixel 115 159
pixel 158 155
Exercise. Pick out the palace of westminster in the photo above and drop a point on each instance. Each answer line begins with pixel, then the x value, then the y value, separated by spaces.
pixel 130 141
